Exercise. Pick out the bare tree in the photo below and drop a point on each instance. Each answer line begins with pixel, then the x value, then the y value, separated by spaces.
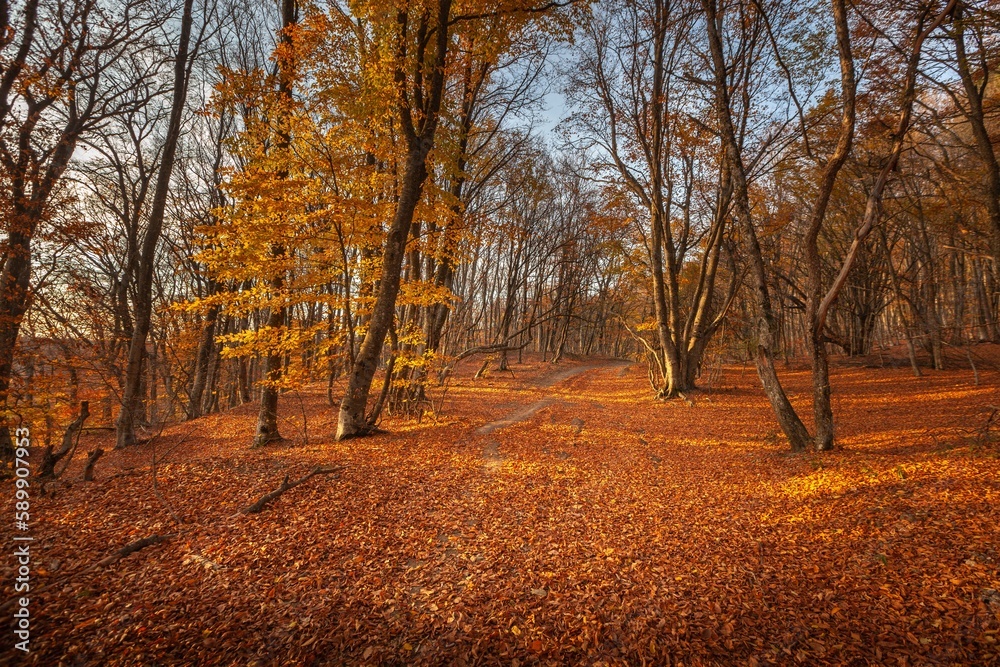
pixel 147 254
pixel 57 84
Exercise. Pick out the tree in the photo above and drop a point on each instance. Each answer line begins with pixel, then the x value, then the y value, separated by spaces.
pixel 267 418
pixel 975 83
pixel 765 324
pixel 125 431
pixel 421 43
pixel 819 303
pixel 635 110
pixel 56 85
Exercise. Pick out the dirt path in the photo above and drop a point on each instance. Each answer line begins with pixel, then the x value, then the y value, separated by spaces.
pixel 516 416
pixel 562 375
pixel 491 448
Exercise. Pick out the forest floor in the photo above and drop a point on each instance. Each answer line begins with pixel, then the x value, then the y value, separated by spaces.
pixel 555 515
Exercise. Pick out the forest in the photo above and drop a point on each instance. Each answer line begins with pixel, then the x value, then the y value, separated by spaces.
pixel 500 332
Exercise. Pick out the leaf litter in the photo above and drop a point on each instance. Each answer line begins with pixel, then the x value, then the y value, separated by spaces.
pixel 598 527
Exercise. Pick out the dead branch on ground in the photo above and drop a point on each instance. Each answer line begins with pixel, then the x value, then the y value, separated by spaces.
pixel 263 501
pixel 111 559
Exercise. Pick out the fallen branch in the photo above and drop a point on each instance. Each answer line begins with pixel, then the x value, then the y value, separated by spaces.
pixel 489 349
pixel 129 549
pixel 983 437
pixel 126 550
pixel 263 501
pixel 88 472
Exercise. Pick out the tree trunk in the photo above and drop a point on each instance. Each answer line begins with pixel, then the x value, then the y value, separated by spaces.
pixel 14 281
pixel 203 359
pixel 975 114
pixel 267 416
pixel 764 320
pixel 352 420
pixel 669 355
pixel 131 395
pixel 72 435
pixel 419 135
pixel 822 409
pixel 210 398
pixel 815 336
